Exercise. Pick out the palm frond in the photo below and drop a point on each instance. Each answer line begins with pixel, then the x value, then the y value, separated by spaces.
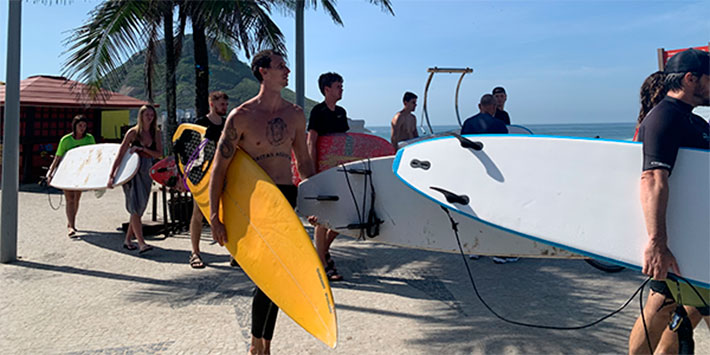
pixel 115 30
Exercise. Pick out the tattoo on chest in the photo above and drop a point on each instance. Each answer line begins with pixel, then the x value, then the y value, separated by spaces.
pixel 273 155
pixel 276 131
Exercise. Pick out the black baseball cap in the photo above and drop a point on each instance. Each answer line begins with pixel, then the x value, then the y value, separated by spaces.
pixel 691 60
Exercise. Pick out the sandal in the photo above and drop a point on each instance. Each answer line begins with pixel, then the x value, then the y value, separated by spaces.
pixel 196 261
pixel 330 269
pixel 129 246
pixel 332 274
pixel 146 249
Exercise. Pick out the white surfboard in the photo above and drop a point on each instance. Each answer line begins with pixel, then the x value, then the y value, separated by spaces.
pixel 408 218
pixel 577 194
pixel 512 129
pixel 88 167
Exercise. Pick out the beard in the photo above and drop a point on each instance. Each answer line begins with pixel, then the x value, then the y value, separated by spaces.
pixel 703 95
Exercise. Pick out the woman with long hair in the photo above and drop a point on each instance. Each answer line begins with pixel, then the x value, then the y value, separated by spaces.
pixel 76 138
pixel 143 139
pixel 653 90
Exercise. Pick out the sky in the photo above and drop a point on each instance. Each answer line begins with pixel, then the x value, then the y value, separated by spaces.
pixel 559 61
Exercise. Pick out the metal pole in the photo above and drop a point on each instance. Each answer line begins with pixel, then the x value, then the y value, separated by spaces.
pixel 11 137
pixel 300 66
pixel 456 101
pixel 426 92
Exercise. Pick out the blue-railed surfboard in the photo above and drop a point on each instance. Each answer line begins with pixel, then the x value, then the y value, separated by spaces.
pixel 578 194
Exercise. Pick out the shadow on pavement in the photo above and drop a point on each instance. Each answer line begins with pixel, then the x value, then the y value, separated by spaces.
pixel 562 293
pixel 114 242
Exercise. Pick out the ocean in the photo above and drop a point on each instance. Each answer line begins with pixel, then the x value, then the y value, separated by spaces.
pixel 618 131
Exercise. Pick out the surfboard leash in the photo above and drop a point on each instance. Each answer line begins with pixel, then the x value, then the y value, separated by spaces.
pixel 454 227
pixel 368 222
pixel 43 183
pixel 191 162
pixel 373 222
pixel 352 194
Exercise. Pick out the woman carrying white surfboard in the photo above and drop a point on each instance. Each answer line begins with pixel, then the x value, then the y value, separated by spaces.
pixel 143 139
pixel 77 138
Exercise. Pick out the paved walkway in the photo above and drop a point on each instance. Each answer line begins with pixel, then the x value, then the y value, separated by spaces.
pixel 90 296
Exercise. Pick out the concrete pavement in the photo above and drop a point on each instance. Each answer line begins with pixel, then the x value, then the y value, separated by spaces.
pixel 90 296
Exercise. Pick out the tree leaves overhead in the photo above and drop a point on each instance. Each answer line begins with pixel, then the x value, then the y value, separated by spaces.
pixel 114 31
pixel 118 28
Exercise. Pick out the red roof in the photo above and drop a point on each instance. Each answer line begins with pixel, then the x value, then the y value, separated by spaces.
pixel 44 90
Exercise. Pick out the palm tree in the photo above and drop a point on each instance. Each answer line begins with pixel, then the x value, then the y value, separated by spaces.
pixel 246 25
pixel 118 28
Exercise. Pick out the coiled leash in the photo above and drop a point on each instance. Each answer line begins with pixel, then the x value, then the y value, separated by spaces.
pixel 45 185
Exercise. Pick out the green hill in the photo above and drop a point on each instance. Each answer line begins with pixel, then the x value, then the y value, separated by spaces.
pixel 226 74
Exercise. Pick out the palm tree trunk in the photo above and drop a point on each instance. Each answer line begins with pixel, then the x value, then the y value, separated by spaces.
pixel 170 83
pixel 202 79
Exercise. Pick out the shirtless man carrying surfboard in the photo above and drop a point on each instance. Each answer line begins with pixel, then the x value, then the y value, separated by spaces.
pixel 266 127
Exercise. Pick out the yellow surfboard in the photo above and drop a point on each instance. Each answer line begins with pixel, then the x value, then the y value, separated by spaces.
pixel 264 234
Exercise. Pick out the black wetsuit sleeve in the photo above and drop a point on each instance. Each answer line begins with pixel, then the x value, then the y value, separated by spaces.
pixel 661 140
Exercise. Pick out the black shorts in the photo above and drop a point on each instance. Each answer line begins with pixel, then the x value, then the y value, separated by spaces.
pixel 290 192
pixel 662 288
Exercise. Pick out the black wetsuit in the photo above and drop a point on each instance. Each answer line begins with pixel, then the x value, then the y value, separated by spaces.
pixel 263 310
pixel 483 123
pixel 503 116
pixel 669 126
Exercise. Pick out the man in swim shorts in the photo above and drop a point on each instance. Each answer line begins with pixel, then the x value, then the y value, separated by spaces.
pixel 667 127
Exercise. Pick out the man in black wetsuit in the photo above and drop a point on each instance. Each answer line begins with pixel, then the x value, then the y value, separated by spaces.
pixel 214 121
pixel 326 118
pixel 483 122
pixel 667 127
pixel 501 97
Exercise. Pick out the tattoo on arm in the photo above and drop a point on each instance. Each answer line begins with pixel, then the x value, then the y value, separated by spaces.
pixel 228 141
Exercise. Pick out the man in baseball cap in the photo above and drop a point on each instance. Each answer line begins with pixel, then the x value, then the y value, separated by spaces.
pixel 667 127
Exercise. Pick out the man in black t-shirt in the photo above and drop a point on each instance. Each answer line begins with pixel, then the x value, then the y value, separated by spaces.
pixel 326 118
pixel 667 127
pixel 214 121
pixel 500 96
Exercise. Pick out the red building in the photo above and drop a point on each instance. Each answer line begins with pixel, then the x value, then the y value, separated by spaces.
pixel 47 106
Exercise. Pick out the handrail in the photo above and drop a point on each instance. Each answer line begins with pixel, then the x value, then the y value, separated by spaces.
pixel 456 102
pixel 433 71
pixel 426 113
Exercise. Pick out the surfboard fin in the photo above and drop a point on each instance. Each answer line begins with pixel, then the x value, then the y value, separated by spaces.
pixel 357 171
pixel 467 143
pixel 452 197
pixel 323 198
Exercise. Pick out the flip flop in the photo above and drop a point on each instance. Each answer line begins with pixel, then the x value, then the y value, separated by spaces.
pixel 146 249
pixel 72 234
pixel 196 261
pixel 129 246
